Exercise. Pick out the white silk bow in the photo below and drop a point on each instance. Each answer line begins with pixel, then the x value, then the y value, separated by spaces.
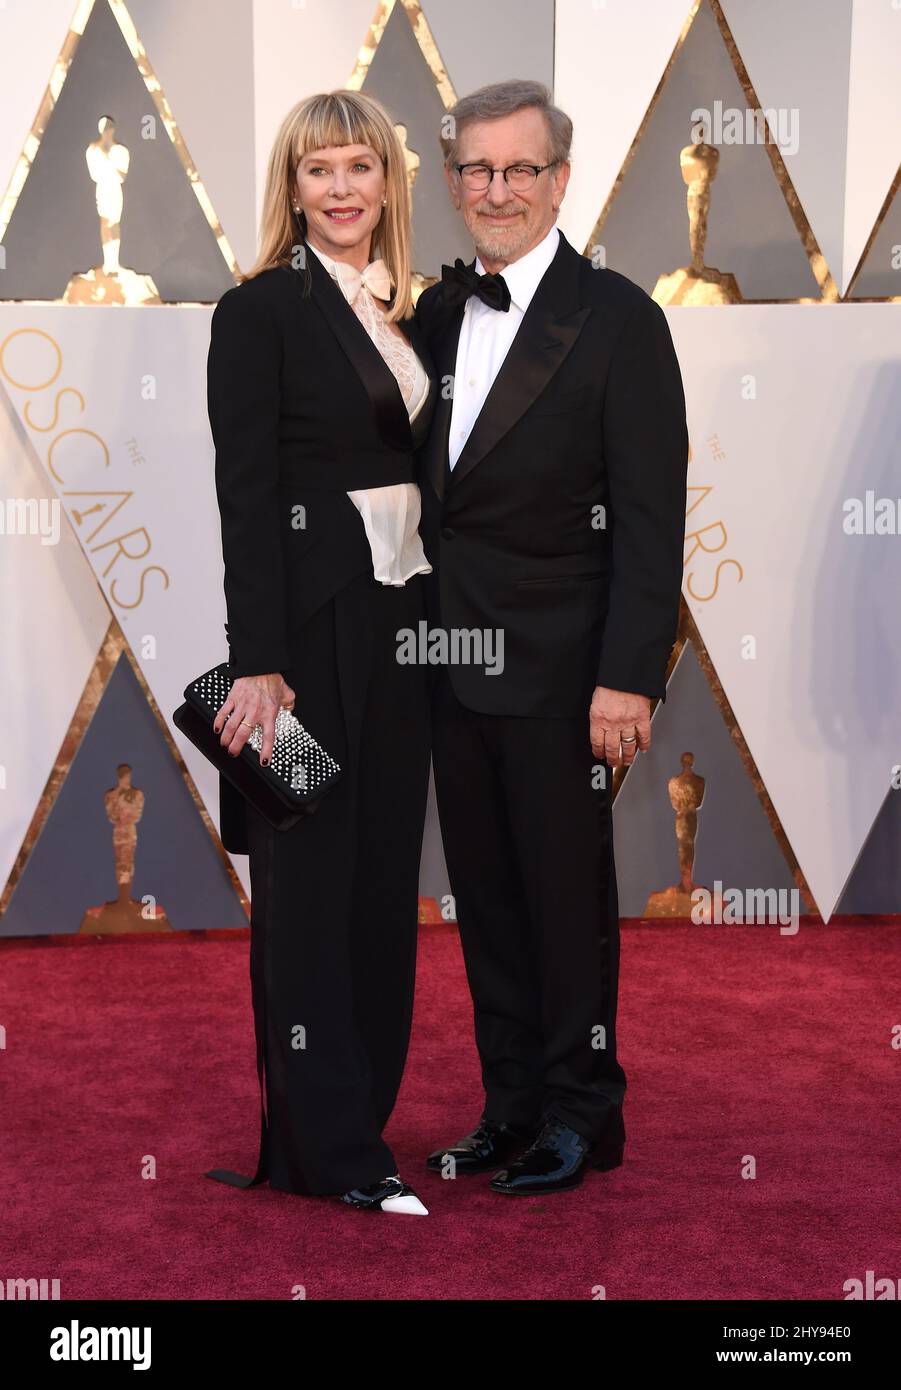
pixel 375 277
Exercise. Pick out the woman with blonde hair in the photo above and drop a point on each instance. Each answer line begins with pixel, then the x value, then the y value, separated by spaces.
pixel 319 391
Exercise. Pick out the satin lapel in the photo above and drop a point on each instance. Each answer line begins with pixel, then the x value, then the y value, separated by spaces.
pixel 444 356
pixel 379 381
pixel 550 327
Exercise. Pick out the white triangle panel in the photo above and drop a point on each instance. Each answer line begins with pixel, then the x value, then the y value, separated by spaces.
pixel 608 60
pixel 300 49
pixel 794 411
pixel 142 431
pixel 52 622
pixel 31 37
pixel 874 122
pixel 797 56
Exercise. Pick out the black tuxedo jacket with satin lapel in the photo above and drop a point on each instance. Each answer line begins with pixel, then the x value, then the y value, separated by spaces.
pixel 586 412
pixel 303 409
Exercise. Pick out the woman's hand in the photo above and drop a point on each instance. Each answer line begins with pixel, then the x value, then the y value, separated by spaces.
pixel 253 700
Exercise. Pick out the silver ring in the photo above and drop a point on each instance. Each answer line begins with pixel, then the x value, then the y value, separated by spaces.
pixel 631 739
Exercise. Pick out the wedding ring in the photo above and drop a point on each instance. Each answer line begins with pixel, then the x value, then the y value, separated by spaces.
pixel 630 739
pixel 249 725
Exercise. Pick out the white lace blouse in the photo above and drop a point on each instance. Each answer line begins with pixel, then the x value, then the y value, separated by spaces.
pixel 390 514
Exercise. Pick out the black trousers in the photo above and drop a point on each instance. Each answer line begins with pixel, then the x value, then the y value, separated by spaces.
pixel 334 903
pixel 528 841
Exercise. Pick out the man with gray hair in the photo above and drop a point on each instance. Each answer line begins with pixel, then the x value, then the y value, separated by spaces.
pixel 553 494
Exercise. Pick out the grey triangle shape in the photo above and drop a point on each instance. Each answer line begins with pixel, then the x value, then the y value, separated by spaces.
pixel 71 866
pixel 54 230
pixel 735 843
pixel 400 77
pixel 751 234
pixel 874 885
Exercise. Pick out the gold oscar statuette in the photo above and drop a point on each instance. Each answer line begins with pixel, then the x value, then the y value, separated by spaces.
pixel 124 808
pixel 698 283
pixel 686 794
pixel 111 282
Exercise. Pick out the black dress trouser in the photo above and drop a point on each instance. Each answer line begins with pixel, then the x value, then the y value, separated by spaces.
pixel 334 902
pixel 528 839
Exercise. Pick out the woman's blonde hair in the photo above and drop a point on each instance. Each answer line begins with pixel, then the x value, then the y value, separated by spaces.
pixel 337 118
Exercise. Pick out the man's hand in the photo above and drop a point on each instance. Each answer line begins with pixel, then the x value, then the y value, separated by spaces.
pixel 252 700
pixel 619 724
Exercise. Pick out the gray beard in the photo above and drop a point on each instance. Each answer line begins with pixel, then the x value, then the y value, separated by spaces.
pixel 497 249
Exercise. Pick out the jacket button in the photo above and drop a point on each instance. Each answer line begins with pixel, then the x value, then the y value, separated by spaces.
pixel 447 533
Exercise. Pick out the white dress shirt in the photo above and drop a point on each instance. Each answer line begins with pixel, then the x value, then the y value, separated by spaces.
pixel 486 335
pixel 390 514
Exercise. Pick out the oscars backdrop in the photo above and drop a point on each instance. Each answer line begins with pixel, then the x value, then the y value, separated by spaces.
pixel 738 159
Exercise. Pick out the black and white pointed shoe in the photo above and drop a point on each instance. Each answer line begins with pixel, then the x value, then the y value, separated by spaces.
pixel 391 1195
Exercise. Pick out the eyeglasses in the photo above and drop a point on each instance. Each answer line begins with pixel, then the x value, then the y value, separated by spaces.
pixel 519 177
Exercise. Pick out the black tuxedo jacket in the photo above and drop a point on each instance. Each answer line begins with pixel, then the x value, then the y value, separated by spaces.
pixel 584 424
pixel 303 409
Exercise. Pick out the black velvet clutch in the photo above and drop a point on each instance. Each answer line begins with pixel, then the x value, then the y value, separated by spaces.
pixel 300 770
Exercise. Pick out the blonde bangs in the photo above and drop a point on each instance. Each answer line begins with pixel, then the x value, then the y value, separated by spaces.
pixel 334 121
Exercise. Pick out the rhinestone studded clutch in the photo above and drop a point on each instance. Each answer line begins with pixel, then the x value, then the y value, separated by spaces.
pixel 300 770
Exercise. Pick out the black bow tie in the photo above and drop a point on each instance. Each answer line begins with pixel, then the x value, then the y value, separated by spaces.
pixel 460 281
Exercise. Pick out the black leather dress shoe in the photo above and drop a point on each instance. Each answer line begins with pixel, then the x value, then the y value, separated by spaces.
pixel 558 1159
pixel 487 1146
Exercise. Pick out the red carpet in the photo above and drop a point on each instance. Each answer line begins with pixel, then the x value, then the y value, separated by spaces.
pixel 736 1042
